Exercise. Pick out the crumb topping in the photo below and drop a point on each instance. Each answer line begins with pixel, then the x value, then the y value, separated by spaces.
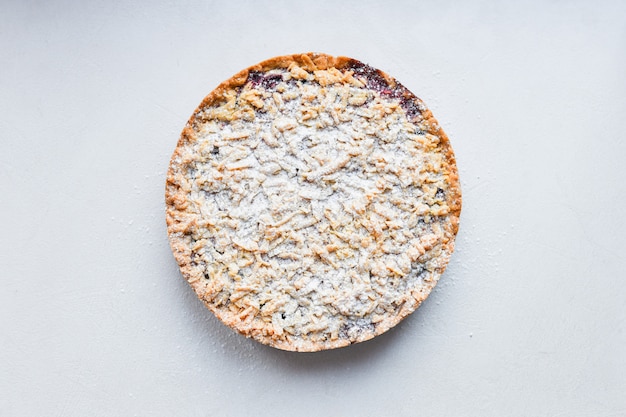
pixel 314 207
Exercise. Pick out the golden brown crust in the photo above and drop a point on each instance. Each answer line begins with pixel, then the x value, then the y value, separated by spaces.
pixel 182 224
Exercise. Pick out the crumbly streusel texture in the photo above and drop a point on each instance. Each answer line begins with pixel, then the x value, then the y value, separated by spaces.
pixel 312 202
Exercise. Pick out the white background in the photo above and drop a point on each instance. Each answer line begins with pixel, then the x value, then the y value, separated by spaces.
pixel 528 320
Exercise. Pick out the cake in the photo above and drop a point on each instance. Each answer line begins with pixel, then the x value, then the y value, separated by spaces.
pixel 312 202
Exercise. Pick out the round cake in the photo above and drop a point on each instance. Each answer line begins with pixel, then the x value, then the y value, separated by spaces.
pixel 312 202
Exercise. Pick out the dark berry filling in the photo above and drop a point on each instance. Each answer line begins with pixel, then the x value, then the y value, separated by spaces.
pixel 375 81
pixel 267 81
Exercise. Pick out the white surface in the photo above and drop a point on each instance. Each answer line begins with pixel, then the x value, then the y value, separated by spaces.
pixel 529 319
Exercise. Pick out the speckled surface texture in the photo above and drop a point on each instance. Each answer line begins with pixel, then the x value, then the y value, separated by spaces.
pixel 528 319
